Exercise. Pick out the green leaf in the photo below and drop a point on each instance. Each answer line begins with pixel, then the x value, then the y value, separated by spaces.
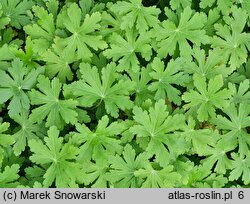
pixel 240 94
pixel 111 22
pixel 27 55
pixel 58 63
pixel 124 93
pixel 49 105
pixel 141 80
pixel 171 34
pixel 95 174
pixel 244 71
pixel 201 140
pixel 208 65
pixel 179 4
pixel 9 176
pixel 127 49
pixel 163 178
pixel 134 13
pixel 232 39
pixel 241 167
pixel 15 83
pixel 90 6
pixel 207 97
pixel 165 78
pixel 34 174
pixel 159 127
pixel 53 6
pixel 201 177
pixel 3 20
pixel 42 32
pixel 223 5
pixel 100 143
pixel 5 139
pixel 83 35
pixel 5 56
pixel 60 158
pixel 213 17
pixel 105 88
pixel 217 158
pixel 235 126
pixel 245 4
pixel 28 130
pixel 16 10
pixel 123 168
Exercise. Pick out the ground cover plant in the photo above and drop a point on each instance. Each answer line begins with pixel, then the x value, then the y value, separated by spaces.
pixel 132 93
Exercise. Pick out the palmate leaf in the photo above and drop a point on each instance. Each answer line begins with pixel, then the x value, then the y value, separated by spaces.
pixel 201 140
pixel 124 93
pixel 217 159
pixel 15 83
pixel 245 4
pixel 154 178
pixel 7 36
pixel 172 33
pixel 42 32
pixel 83 34
pixel 105 88
pixel 58 63
pixel 208 97
pixel 234 42
pixel 207 65
pixel 123 168
pixel 244 70
pixel 126 49
pixel 5 56
pixel 5 139
pixel 36 185
pixel 223 5
pixel 134 13
pixel 235 127
pixel 9 176
pixel 240 167
pixel 183 167
pixel 100 143
pixel 141 79
pixel 61 159
pixel 95 174
pixel 180 4
pixel 27 55
pixel 16 11
pixel 111 22
pixel 202 177
pixel 159 127
pixel 240 94
pixel 212 18
pixel 58 112
pixel 34 174
pixel 90 6
pixel 28 130
pixel 3 20
pixel 164 79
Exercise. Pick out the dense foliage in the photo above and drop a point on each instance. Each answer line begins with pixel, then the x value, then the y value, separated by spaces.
pixel 132 93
